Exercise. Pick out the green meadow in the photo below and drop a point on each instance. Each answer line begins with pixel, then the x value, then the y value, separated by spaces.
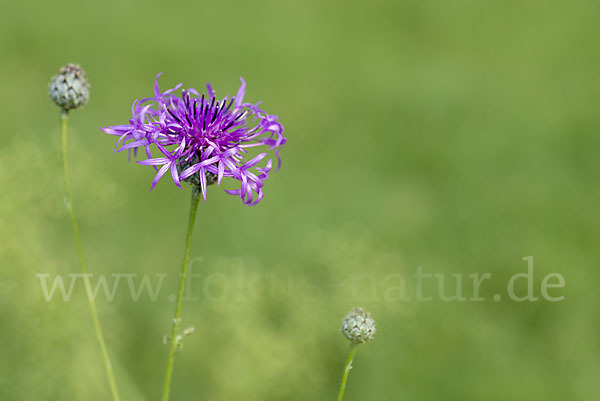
pixel 430 144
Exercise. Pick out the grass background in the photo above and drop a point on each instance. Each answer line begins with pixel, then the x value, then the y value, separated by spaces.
pixel 460 136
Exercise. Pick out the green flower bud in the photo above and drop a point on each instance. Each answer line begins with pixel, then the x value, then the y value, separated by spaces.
pixel 69 89
pixel 358 326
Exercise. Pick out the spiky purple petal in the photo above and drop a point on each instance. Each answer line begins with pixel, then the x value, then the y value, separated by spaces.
pixel 199 135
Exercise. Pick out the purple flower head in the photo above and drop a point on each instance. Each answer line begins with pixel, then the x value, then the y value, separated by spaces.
pixel 202 139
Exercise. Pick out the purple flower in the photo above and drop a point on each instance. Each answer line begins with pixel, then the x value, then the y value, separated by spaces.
pixel 202 139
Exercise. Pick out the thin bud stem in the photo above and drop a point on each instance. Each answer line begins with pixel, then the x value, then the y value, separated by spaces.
pixel 69 204
pixel 347 369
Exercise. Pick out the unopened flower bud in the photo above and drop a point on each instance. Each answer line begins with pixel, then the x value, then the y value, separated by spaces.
pixel 358 326
pixel 69 89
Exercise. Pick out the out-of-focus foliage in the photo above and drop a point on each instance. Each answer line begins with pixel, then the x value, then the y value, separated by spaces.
pixel 460 136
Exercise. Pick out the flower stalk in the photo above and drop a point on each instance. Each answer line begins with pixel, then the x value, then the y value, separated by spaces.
pixel 69 204
pixel 347 369
pixel 175 338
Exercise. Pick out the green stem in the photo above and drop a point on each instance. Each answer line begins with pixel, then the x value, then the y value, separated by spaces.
pixel 69 204
pixel 347 370
pixel 177 319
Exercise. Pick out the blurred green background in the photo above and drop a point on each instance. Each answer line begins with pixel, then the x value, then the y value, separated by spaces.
pixel 460 136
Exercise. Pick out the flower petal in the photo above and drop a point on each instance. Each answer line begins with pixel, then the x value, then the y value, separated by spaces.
pixel 175 174
pixel 159 175
pixel 239 98
pixel 154 162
